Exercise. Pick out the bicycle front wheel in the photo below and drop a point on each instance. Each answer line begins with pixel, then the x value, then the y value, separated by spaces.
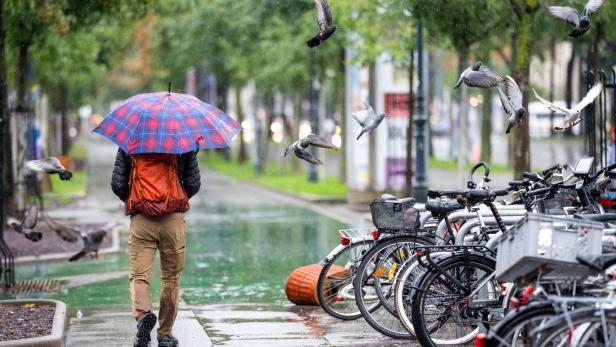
pixel 376 278
pixel 440 309
pixel 335 290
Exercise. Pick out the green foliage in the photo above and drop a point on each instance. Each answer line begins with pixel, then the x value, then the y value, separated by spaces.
pixel 327 187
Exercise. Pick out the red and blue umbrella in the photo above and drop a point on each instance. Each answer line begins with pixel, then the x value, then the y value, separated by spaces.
pixel 167 123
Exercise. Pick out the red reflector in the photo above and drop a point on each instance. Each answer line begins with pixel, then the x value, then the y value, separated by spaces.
pixel 480 340
pixel 526 294
pixel 345 241
pixel 339 299
pixel 515 303
pixel 375 234
pixel 420 253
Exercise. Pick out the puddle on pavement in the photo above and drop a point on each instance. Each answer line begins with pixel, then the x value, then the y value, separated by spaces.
pixel 234 255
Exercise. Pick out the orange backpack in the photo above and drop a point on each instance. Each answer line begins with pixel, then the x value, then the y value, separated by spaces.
pixel 154 185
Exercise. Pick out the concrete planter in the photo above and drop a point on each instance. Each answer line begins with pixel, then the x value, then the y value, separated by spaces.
pixel 55 339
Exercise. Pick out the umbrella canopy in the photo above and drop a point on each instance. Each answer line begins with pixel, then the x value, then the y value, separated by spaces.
pixel 167 123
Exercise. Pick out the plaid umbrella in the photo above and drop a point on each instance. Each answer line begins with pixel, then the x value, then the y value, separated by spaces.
pixel 167 123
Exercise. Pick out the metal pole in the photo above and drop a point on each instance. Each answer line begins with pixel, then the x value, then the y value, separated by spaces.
pixel 421 161
pixel 314 117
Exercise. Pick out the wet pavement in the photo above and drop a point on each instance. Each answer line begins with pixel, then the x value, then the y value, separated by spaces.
pixel 242 242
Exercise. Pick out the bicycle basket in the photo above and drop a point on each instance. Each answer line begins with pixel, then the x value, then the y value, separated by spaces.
pixel 547 245
pixel 392 215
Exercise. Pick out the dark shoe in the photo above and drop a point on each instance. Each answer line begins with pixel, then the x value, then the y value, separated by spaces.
pixel 144 327
pixel 168 341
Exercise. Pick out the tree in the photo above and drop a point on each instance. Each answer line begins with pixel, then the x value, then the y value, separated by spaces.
pixel 525 13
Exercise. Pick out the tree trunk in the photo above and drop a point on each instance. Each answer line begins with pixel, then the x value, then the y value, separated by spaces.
pixel 409 131
pixel 268 103
pixel 462 100
pixel 241 156
pixel 551 96
pixel 372 136
pixel 521 68
pixel 340 90
pixel 66 140
pixel 486 126
pixel 5 154
pixel 21 74
pixel 297 116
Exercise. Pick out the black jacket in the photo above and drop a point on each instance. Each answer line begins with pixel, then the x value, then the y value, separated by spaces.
pixel 190 177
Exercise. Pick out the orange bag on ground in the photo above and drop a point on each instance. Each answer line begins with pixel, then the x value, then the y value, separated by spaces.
pixel 154 185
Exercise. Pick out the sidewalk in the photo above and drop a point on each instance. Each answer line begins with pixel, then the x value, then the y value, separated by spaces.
pixel 278 323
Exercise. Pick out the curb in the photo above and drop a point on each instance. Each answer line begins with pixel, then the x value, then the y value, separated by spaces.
pixel 55 339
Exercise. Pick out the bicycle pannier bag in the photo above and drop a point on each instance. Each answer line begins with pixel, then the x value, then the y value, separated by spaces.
pixel 154 185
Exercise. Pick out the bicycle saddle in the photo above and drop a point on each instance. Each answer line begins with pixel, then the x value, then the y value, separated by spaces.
pixel 389 197
pixel 439 207
pixel 598 263
pixel 603 217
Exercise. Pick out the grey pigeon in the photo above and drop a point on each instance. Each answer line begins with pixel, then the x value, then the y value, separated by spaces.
pixel 572 116
pixel 580 23
pixel 299 148
pixel 27 224
pixel 480 76
pixel 91 243
pixel 65 232
pixel 511 98
pixel 368 119
pixel 325 22
pixel 49 165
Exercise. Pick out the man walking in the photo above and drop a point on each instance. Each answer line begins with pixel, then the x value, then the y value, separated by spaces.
pixel 155 188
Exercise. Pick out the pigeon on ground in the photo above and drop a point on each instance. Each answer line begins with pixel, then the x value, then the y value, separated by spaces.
pixel 572 116
pixel 91 243
pixel 66 233
pixel 480 76
pixel 51 166
pixel 299 148
pixel 325 22
pixel 27 224
pixel 580 23
pixel 368 119
pixel 511 98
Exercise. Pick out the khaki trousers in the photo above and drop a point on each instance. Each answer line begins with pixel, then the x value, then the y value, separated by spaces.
pixel 146 235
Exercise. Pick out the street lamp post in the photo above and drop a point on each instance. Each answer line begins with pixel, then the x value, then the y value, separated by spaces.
pixel 314 117
pixel 420 118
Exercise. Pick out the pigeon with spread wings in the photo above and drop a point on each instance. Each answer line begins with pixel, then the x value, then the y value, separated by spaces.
pixel 325 22
pixel 50 166
pixel 511 98
pixel 572 116
pixel 26 226
pixel 480 76
pixel 299 148
pixel 368 119
pixel 580 23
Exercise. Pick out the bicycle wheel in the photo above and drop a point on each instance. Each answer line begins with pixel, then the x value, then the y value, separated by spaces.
pixel 402 291
pixel 588 327
pixel 335 287
pixel 514 328
pixel 440 310
pixel 375 278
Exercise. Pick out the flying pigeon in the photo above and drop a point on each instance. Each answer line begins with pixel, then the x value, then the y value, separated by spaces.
pixel 480 76
pixel 51 166
pixel 91 243
pixel 368 119
pixel 27 224
pixel 572 116
pixel 511 98
pixel 325 22
pixel 66 233
pixel 299 148
pixel 580 23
